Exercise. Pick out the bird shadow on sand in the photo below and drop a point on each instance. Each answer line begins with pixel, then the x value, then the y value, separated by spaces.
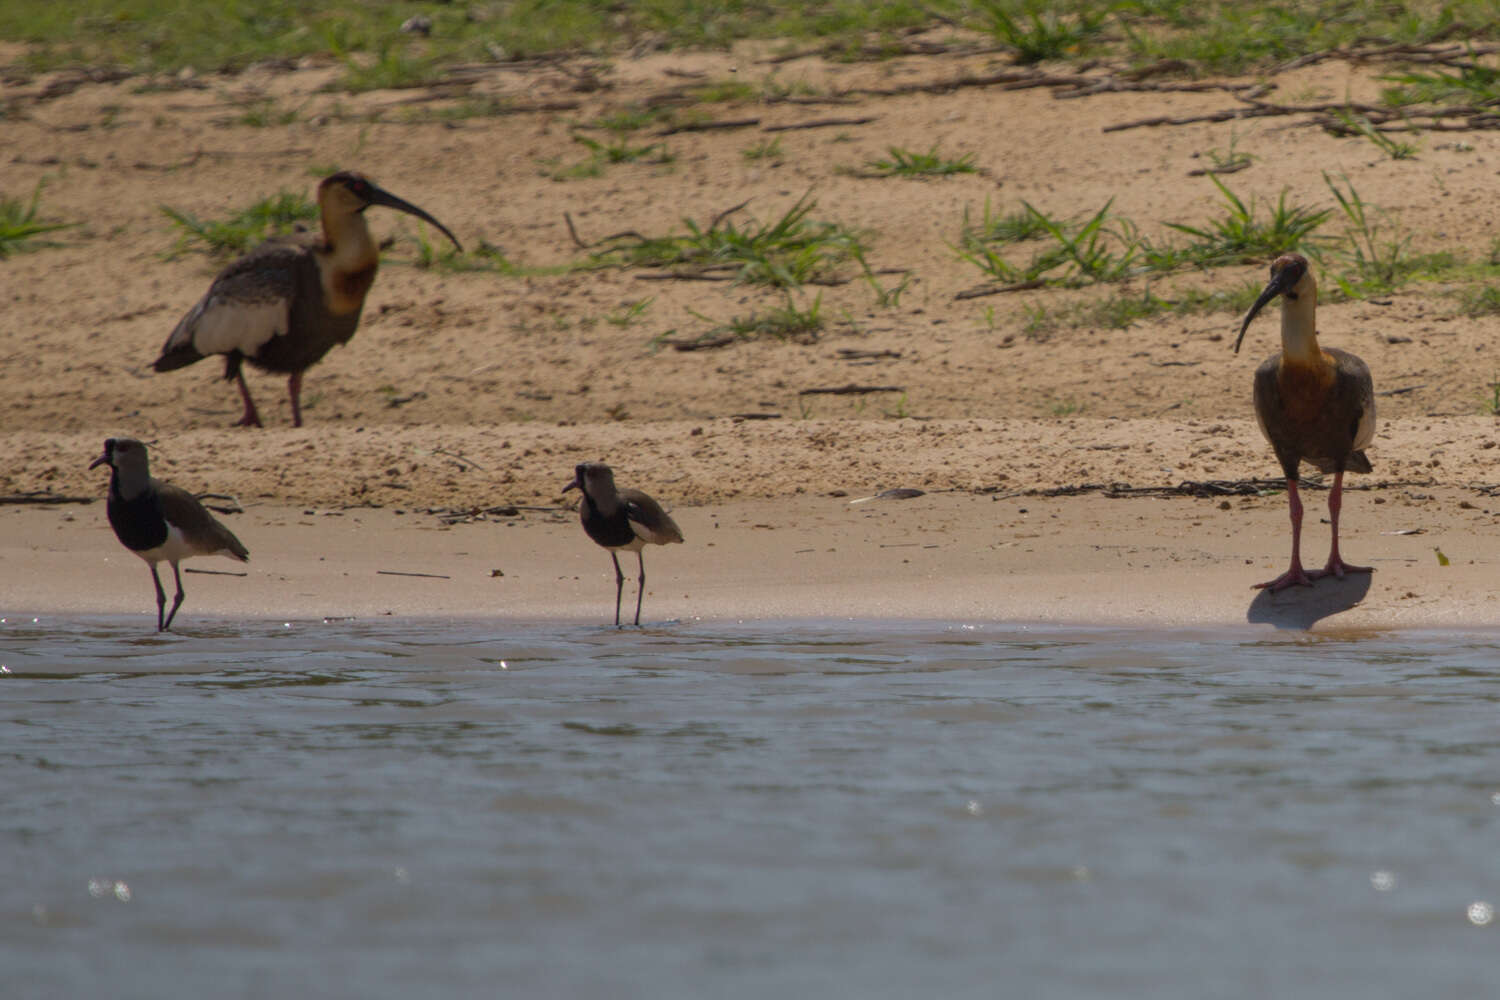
pixel 1303 607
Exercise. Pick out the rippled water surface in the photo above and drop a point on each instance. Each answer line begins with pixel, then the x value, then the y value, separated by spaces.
pixel 384 808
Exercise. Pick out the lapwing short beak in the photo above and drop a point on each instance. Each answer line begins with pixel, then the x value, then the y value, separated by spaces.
pixel 380 196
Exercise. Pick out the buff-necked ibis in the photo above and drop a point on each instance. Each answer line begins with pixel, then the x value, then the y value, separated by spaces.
pixel 621 521
pixel 1314 404
pixel 158 521
pixel 284 305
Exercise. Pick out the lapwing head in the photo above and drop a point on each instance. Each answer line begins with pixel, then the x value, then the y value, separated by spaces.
pixel 1290 278
pixel 127 457
pixel 350 192
pixel 594 478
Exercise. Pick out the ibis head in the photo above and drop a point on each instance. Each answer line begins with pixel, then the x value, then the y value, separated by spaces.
pixel 349 192
pixel 1290 277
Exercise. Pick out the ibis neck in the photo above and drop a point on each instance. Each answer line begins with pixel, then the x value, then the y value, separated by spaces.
pixel 349 241
pixel 349 259
pixel 1299 330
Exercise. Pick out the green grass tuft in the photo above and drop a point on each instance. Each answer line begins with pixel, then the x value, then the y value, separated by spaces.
pixel 1243 237
pixel 905 163
pixel 277 215
pixel 1037 30
pixel 792 251
pixel 20 227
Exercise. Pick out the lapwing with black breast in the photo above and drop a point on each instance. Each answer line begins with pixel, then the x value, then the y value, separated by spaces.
pixel 287 303
pixel 621 521
pixel 1314 404
pixel 158 521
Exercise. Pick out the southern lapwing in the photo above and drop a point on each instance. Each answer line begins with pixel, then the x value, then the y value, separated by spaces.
pixel 1315 405
pixel 621 521
pixel 157 520
pixel 284 305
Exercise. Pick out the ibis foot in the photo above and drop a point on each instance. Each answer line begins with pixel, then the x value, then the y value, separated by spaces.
pixel 1295 576
pixel 1337 568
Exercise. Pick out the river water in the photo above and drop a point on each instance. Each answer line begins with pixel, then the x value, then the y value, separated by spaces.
pixel 390 808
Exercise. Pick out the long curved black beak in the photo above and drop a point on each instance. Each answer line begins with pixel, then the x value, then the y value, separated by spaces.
pixel 576 484
pixel 1279 283
pixel 380 196
pixel 101 460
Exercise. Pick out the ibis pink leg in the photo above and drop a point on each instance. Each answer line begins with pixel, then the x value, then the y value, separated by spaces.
pixel 294 390
pixel 1295 573
pixel 250 418
pixel 1336 566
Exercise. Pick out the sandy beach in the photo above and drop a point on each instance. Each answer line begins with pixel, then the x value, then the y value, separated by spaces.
pixel 438 441
pixel 955 556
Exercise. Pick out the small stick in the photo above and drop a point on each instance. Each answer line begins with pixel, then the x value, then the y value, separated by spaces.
pixel 457 457
pixel 726 123
pixel 395 572
pixel 821 123
pixel 726 214
pixel 849 390
pixel 20 498
pixel 983 290
pixel 701 345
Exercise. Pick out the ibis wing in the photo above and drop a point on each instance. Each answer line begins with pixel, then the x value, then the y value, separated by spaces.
pixel 248 304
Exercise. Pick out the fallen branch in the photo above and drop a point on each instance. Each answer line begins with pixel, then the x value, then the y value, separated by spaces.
pixel 572 231
pixel 458 458
pixel 684 276
pixel 702 344
pixel 22 498
pixel 860 354
pixel 849 390
pixel 982 290
pixel 709 126
pixel 821 123
pixel 1222 168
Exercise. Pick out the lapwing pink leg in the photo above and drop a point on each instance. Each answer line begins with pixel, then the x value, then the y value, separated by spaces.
pixel 619 589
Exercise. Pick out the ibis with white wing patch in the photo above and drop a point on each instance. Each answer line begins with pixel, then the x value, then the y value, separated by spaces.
pixel 287 303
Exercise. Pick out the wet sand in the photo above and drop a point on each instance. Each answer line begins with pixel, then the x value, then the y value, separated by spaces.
pixel 1081 560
